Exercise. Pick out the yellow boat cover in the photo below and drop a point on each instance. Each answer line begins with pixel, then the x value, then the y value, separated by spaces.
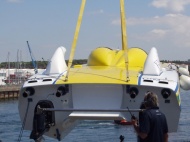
pixel 107 66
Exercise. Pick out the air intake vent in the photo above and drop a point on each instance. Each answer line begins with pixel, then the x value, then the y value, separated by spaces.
pixel 146 80
pixel 47 80
pixel 32 81
pixel 163 82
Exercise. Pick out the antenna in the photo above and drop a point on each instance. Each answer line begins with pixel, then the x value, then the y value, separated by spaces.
pixel 132 115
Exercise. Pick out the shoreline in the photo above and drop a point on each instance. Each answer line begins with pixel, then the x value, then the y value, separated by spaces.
pixel 9 92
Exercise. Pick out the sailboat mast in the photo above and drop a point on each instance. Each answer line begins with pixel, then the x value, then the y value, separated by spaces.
pixel 8 68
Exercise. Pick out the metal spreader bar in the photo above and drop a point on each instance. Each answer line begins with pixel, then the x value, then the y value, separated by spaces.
pixel 92 110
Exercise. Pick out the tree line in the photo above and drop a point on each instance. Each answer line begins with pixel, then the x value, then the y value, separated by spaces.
pixel 43 64
pixel 40 64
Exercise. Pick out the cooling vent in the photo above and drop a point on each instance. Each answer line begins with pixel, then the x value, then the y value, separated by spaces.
pixel 47 80
pixel 32 81
pixel 146 80
pixel 163 82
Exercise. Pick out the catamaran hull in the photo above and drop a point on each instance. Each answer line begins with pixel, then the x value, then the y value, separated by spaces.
pixel 93 97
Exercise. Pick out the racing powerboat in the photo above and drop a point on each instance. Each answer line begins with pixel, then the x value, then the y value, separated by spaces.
pixel 109 87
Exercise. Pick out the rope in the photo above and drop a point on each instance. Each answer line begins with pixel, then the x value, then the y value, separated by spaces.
pixel 24 121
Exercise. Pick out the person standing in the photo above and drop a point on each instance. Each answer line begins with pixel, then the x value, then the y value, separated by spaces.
pixel 152 123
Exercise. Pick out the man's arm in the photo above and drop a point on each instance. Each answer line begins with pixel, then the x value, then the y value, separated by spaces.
pixel 136 127
pixel 166 137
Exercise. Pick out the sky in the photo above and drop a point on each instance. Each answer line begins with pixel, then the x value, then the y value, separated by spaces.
pixel 48 24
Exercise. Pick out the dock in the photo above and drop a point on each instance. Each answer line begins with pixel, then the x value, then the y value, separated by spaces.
pixel 9 91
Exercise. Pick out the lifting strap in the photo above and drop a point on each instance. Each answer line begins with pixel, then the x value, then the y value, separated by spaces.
pixel 124 36
pixel 75 37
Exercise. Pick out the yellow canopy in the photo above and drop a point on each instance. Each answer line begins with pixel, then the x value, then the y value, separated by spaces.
pixel 107 66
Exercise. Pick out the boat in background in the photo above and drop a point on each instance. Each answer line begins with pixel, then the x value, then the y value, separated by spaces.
pixel 51 103
pixel 123 122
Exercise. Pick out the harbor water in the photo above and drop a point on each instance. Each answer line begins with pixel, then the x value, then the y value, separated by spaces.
pixel 93 131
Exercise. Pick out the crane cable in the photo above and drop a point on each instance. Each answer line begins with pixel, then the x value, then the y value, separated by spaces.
pixel 75 37
pixel 124 36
